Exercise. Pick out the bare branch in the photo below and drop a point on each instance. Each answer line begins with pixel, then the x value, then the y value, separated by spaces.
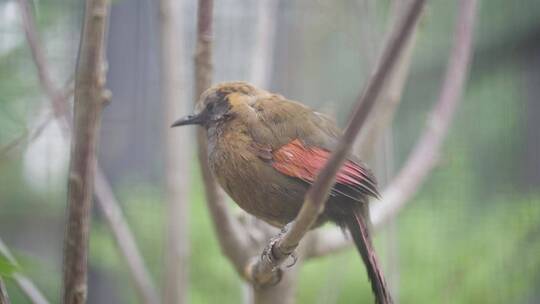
pixel 30 135
pixel 263 53
pixel 177 156
pixel 124 238
pixel 59 105
pixel 262 272
pixel 105 197
pixel 425 154
pixel 4 298
pixel 89 92
pixel 390 97
pixel 27 287
pixel 232 238
pixel 426 151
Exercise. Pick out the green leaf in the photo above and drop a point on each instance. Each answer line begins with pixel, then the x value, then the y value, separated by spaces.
pixel 7 268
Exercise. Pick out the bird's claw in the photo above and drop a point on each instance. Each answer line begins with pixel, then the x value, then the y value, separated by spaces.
pixel 294 259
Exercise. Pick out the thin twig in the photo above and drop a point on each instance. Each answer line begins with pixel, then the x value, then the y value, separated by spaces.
pixel 385 108
pixel 29 136
pixel 56 96
pixel 262 271
pixel 4 298
pixel 232 238
pixel 105 197
pixel 425 154
pixel 124 238
pixel 29 289
pixel 426 151
pixel 176 281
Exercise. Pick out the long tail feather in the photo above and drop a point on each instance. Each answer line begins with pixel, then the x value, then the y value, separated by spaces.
pixel 358 228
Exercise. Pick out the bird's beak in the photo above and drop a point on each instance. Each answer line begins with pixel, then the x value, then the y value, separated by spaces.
pixel 193 119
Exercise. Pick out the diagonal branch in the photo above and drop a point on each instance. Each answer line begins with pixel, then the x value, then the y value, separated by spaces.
pixel 56 96
pixel 232 238
pixel 4 298
pixel 425 154
pixel 105 197
pixel 426 151
pixel 390 97
pixel 124 238
pixel 28 288
pixel 262 271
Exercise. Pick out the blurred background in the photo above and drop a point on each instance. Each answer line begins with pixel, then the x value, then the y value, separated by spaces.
pixel 470 235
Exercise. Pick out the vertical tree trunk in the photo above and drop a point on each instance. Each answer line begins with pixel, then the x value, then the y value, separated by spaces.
pixel 89 97
pixel 176 164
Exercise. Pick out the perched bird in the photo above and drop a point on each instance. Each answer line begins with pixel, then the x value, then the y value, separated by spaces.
pixel 265 151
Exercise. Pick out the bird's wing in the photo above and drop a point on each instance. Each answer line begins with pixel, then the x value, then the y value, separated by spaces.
pixel 298 141
pixel 295 159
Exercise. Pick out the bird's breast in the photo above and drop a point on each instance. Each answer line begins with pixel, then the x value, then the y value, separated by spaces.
pixel 252 182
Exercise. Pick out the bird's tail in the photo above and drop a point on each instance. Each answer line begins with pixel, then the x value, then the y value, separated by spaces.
pixel 357 223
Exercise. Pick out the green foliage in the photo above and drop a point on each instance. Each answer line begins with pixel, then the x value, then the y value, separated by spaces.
pixel 6 267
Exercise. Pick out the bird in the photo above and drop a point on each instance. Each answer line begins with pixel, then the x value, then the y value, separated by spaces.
pixel 265 151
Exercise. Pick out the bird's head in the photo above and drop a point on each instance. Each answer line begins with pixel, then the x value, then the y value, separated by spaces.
pixel 220 103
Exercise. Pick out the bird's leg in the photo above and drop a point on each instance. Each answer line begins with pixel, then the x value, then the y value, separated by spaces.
pixel 269 250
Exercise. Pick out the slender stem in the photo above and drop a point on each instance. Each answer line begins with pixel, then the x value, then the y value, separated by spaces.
pixel 176 281
pixel 426 152
pixel 390 98
pixel 232 238
pixel 56 96
pixel 124 238
pixel 4 298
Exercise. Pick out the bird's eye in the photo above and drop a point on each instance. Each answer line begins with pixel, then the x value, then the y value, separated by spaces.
pixel 210 106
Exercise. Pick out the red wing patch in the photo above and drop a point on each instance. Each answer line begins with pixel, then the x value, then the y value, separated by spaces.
pixel 296 160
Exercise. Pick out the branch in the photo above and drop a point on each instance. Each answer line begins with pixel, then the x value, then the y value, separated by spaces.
pixel 124 238
pixel 56 97
pixel 262 271
pixel 231 237
pixel 28 288
pixel 425 154
pixel 4 298
pixel 176 280
pixel 89 89
pixel 105 197
pixel 426 151
pixel 29 136
pixel 388 102
pixel 263 49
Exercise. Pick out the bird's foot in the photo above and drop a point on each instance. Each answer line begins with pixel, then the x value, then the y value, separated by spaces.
pixel 292 254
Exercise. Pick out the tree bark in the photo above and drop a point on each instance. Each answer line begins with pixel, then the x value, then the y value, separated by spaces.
pixel 176 282
pixel 89 90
